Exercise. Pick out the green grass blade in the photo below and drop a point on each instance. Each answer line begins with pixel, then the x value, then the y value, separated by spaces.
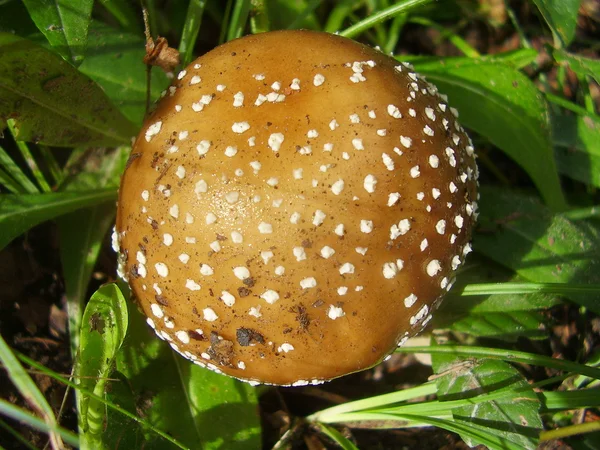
pixel 506 355
pixel 527 288
pixel 16 435
pixel 134 417
pixel 52 164
pixel 567 400
pixel 28 157
pixel 24 416
pixel 446 33
pixel 193 20
pixel 8 183
pixel 337 437
pixel 239 19
pixel 19 179
pixel 29 390
pixel 18 213
pixel 394 33
pixel 304 18
pixel 330 414
pixel 259 19
pixel 583 213
pixel 338 14
pixel 383 15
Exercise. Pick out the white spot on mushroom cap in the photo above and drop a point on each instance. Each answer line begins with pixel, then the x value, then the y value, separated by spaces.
pixel 366 226
pixel 275 141
pixel 335 312
pixel 161 269
pixel 238 99
pixel 346 268
pixel 270 296
pixel 308 283
pixel 206 270
pixel 410 300
pixel 157 311
pixel 318 218
pixel 440 226
pixel 192 285
pixel 394 111
pixel 299 253
pixel 405 141
pixel 183 336
pixel 318 79
pixel 369 183
pixel 153 130
pixel 420 315
pixel 358 144
pixel 241 272
pixel 209 314
pixel 265 228
pixel 433 267
pixel 337 187
pixel 285 347
pixel 393 198
pixel 227 298
pixel 240 127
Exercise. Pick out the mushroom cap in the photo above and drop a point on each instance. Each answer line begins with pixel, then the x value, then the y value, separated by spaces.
pixel 295 208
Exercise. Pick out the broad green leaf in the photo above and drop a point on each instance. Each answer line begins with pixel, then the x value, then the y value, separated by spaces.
pixel 499 325
pixel 64 23
pixel 192 404
pixel 513 417
pixel 503 105
pixel 561 17
pixel 579 64
pixel 517 59
pixel 51 102
pixel 82 232
pixel 19 213
pixel 520 233
pixel 121 74
pixel 577 146
pixel 104 328
pixel 480 270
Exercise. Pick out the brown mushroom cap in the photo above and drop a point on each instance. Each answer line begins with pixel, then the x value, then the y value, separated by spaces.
pixel 295 207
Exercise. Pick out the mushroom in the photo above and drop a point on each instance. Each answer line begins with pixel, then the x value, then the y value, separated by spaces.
pixel 295 208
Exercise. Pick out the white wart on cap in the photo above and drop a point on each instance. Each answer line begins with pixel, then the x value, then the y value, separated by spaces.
pixel 295 208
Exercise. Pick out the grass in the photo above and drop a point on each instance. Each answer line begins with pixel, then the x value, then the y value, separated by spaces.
pixel 536 246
